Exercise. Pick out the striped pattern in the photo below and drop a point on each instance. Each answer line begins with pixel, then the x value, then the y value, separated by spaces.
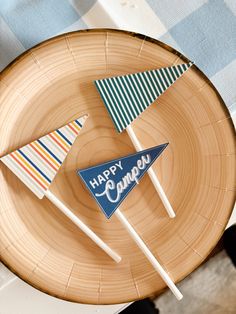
pixel 36 164
pixel 126 97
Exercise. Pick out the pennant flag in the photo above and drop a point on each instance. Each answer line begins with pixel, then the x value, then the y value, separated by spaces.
pixel 127 96
pixel 36 164
pixel 110 182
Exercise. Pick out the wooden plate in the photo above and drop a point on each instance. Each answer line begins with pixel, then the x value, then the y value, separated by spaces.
pixel 52 84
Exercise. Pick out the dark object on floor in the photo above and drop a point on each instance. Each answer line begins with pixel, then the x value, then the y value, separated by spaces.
pixel 145 306
pixel 229 239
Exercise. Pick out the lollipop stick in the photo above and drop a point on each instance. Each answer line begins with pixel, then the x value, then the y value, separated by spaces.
pixel 65 210
pixel 152 174
pixel 149 255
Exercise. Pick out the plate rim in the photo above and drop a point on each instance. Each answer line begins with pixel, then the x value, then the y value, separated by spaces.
pixel 168 48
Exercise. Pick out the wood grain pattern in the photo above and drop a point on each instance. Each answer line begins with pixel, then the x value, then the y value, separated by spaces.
pixel 52 84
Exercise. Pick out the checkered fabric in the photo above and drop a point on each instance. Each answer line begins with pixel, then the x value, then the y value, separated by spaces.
pixel 204 31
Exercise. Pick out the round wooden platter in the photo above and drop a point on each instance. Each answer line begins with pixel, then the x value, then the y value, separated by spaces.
pixel 51 85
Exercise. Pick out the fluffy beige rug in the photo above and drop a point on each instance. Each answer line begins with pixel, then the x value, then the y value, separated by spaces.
pixel 211 289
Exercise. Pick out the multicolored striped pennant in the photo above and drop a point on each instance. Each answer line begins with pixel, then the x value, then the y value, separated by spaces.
pixel 36 164
pixel 127 96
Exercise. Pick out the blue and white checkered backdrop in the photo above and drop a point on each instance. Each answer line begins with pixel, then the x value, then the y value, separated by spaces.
pixel 204 31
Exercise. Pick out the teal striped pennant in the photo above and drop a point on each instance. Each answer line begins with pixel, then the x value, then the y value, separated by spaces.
pixel 127 96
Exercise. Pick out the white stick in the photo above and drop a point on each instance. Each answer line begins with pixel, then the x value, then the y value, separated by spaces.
pixel 149 255
pixel 152 174
pixel 65 210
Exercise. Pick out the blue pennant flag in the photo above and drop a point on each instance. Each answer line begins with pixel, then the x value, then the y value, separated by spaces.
pixel 111 182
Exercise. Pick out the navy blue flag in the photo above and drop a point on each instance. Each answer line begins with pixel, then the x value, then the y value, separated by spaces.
pixel 111 182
